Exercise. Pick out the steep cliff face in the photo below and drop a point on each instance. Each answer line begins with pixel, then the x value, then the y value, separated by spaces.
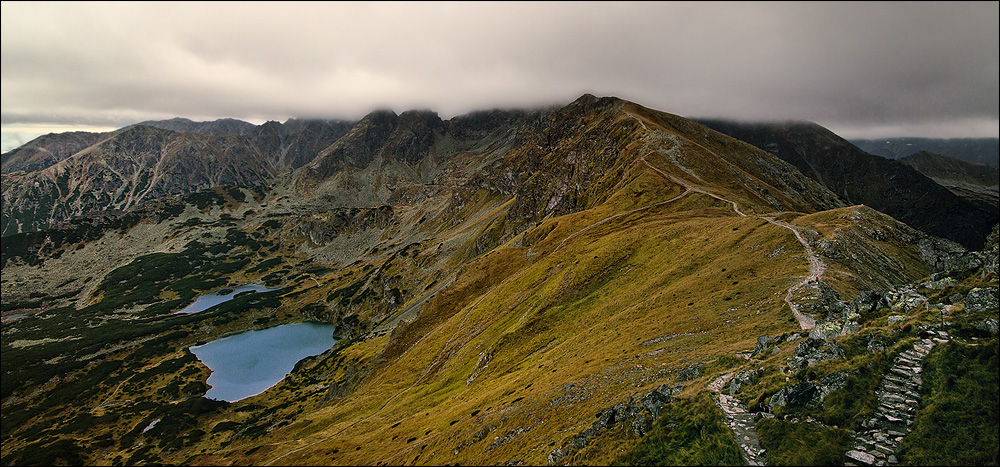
pixel 861 178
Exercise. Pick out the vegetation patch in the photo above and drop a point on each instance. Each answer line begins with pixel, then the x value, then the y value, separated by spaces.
pixel 688 432
pixel 957 423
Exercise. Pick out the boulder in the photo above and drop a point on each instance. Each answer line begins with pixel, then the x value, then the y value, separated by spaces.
pixel 904 299
pixel 893 319
pixel 989 325
pixel 808 394
pixel 657 398
pixel 690 372
pixel 940 283
pixel 743 378
pixel 763 342
pixel 812 351
pixel 982 299
pixel 829 329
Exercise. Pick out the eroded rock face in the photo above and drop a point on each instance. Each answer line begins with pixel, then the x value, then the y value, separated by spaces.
pixel 944 255
pixel 808 393
pixel 982 299
pixel 812 351
pixel 743 378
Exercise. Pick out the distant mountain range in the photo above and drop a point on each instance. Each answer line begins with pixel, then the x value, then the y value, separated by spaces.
pixel 597 283
pixel 977 150
pixel 117 170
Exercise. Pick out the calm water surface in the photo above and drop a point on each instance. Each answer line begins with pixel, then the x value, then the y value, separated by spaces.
pixel 211 299
pixel 248 363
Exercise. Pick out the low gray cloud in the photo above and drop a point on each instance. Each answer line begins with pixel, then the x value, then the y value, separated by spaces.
pixel 856 68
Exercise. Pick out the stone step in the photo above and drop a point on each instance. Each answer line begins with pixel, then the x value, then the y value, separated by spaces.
pixel 910 357
pixel 863 457
pixel 892 409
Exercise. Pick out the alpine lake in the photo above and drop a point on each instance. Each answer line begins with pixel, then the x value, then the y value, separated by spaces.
pixel 250 362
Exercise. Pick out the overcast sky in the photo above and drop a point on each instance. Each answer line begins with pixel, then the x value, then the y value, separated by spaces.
pixel 859 69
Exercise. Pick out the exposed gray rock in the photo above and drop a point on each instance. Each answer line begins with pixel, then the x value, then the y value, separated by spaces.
pixel 877 343
pixel 940 283
pixel 832 382
pixel 690 372
pixel 982 299
pixel 797 395
pixel 763 342
pixel 743 378
pixel 637 415
pixel 904 299
pixel 946 256
pixel 657 398
pixel 893 319
pixel 808 394
pixel 812 351
pixel 828 249
pixel 867 301
pixel 793 337
pixel 990 255
pixel 829 329
pixel 989 325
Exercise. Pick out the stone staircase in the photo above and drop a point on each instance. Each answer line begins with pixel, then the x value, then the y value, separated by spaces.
pixel 899 398
pixel 741 421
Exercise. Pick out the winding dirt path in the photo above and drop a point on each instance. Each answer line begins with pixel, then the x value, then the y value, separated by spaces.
pixel 816 265
pixel 816 269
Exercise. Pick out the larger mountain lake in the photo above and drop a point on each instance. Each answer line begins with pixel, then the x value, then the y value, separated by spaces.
pixel 248 363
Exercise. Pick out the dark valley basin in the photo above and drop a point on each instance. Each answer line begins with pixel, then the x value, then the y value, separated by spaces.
pixel 223 295
pixel 248 363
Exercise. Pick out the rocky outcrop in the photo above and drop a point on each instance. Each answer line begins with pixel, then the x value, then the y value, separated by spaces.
pixel 321 228
pixel 636 415
pixel 743 378
pixel 812 351
pixel 808 393
pixel 982 299
pixel 944 256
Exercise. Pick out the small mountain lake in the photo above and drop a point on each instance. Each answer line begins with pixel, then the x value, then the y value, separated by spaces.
pixel 248 363
pixel 223 295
